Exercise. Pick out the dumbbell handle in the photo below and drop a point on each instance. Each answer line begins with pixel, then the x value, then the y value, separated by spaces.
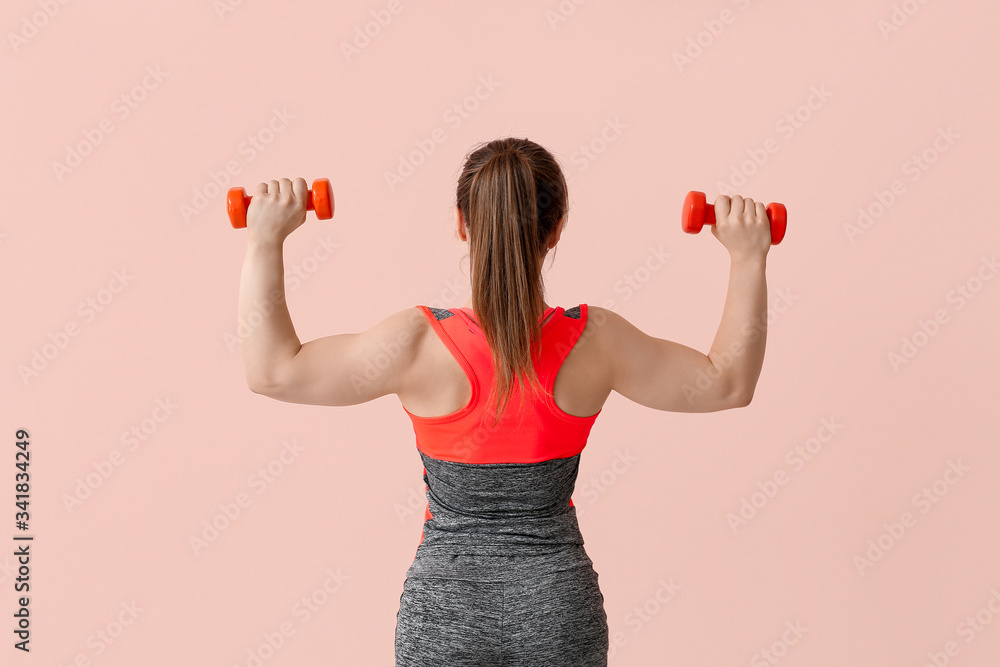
pixel 319 198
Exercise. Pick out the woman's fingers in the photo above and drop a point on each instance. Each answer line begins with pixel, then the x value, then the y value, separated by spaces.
pixel 737 205
pixel 762 212
pixel 722 206
pixel 300 189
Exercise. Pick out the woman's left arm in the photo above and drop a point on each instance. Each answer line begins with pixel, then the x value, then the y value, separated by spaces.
pixel 267 337
pixel 334 370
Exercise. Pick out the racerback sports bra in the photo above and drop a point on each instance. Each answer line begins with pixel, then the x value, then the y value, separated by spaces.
pixel 502 490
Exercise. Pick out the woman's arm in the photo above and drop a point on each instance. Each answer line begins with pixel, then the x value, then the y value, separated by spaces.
pixel 738 348
pixel 665 375
pixel 337 370
pixel 743 227
pixel 270 341
pixel 342 369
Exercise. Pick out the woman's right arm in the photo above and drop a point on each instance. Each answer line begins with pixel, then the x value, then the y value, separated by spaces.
pixel 669 376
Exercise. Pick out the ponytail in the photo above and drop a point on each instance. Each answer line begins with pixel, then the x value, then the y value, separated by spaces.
pixel 512 195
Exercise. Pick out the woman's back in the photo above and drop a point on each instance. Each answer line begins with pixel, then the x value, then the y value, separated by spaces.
pixel 500 537
pixel 440 386
pixel 502 487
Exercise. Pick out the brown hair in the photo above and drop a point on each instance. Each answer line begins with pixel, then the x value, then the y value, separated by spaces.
pixel 512 195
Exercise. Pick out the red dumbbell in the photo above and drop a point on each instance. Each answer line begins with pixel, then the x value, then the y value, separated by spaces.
pixel 319 199
pixel 696 213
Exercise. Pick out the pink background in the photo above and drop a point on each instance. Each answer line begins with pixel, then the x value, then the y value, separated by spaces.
pixel 656 490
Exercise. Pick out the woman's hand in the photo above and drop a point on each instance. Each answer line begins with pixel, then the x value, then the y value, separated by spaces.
pixel 277 209
pixel 742 226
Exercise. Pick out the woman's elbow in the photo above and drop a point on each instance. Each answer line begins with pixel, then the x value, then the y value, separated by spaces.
pixel 743 398
pixel 259 385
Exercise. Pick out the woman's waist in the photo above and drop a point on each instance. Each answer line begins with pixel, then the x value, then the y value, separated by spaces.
pixel 496 562
pixel 448 526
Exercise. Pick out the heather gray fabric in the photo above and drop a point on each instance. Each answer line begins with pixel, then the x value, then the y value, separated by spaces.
pixel 500 509
pixel 501 577
pixel 440 313
pixel 549 620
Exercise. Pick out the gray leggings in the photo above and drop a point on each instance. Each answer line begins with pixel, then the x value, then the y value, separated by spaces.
pixel 555 619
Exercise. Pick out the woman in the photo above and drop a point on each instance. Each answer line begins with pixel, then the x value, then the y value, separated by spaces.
pixel 500 575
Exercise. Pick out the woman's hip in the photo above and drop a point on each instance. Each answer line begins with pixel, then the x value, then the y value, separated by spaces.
pixel 553 618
